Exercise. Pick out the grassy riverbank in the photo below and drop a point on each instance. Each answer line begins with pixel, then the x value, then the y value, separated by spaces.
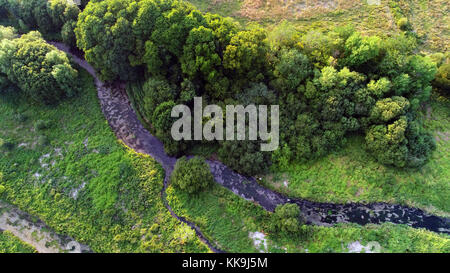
pixel 236 225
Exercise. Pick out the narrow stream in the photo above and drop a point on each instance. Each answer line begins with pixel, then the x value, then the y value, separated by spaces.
pixel 123 120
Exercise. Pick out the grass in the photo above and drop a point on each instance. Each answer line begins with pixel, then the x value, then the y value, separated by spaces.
pixel 64 165
pixel 11 244
pixel 228 221
pixel 428 17
pixel 351 174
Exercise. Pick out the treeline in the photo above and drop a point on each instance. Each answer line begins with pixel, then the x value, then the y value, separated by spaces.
pixel 329 85
pixel 48 16
pixel 41 71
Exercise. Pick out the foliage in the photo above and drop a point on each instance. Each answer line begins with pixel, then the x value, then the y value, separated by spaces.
pixel 84 183
pixel 244 157
pixel 47 16
pixel 191 175
pixel 286 218
pixel 41 71
pixel 11 244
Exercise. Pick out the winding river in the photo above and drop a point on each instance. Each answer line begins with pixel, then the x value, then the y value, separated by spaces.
pixel 125 123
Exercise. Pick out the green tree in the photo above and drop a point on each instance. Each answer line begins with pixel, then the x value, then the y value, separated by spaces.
pixel 291 70
pixel 201 60
pixel 191 175
pixel 155 92
pixel 40 70
pixel 103 33
pixel 246 55
pixel 360 50
pixel 388 142
pixel 286 218
pixel 388 109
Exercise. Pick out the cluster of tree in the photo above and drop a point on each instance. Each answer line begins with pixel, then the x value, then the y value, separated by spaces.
pixel 327 84
pixel 191 175
pixel 47 16
pixel 41 71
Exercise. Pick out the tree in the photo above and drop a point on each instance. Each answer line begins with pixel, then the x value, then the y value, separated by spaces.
pixel 246 54
pixel 162 123
pixel 191 175
pixel 40 70
pixel 201 60
pixel 388 109
pixel 103 33
pixel 244 157
pixel 286 218
pixel 155 91
pixel 442 80
pixel 388 142
pixel 291 70
pixel 360 50
pixel 224 28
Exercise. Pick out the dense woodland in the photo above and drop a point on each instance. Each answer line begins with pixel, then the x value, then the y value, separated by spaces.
pixel 330 85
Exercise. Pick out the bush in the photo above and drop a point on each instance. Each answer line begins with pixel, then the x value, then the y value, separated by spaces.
pixel 442 80
pixel 43 140
pixel 286 218
pixel 403 24
pixel 41 125
pixel 41 71
pixel 7 144
pixel 191 175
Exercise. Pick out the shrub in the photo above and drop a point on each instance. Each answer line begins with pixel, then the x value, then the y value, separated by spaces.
pixel 286 218
pixel 191 175
pixel 41 125
pixel 41 71
pixel 7 144
pixel 43 140
pixel 442 80
pixel 245 157
pixel 403 24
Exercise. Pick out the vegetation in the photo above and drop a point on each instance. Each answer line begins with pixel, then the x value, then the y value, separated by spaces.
pixel 191 175
pixel 50 17
pixel 350 174
pixel 335 87
pixel 81 181
pixel 286 218
pixel 231 222
pixel 11 244
pixel 42 72
pixel 357 122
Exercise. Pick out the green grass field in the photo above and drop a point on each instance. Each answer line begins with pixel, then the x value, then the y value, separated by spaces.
pixel 11 244
pixel 64 165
